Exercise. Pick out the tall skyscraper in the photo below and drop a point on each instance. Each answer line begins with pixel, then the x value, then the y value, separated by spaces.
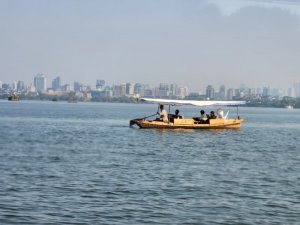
pixel 222 94
pixel 40 83
pixel 210 92
pixel 163 90
pixel 253 91
pixel 290 92
pixel 237 93
pixel 0 84
pixel 119 90
pixel 182 92
pixel 148 92
pixel 123 89
pixel 138 89
pixel 14 85
pixel 173 89
pixel 77 86
pixel 100 84
pixel 20 86
pixel 56 84
pixel 259 91
pixel 230 94
pixel 6 87
pixel 297 89
pixel 266 92
pixel 129 89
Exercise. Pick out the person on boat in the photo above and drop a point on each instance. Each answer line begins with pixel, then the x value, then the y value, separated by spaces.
pixel 163 114
pixel 177 115
pixel 212 115
pixel 203 117
pixel 174 116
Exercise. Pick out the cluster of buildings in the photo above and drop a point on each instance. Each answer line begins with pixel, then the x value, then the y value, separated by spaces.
pixel 100 90
pixel 135 90
pixel 250 93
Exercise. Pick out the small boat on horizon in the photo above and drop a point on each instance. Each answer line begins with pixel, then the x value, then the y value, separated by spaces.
pixel 191 123
pixel 13 97
pixel 289 107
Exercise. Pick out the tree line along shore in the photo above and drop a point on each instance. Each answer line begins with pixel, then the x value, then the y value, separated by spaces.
pixel 285 102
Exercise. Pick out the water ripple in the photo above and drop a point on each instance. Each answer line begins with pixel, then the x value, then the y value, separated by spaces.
pixel 78 164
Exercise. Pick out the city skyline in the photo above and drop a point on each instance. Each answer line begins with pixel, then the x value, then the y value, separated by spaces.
pixel 200 88
pixel 41 84
pixel 192 43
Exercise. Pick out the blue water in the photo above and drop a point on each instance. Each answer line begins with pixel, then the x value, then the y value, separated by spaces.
pixel 80 163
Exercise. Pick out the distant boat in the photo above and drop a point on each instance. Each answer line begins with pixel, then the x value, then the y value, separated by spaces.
pixel 13 97
pixel 180 123
pixel 289 107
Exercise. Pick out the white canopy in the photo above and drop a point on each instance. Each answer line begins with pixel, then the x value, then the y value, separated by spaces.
pixel 192 102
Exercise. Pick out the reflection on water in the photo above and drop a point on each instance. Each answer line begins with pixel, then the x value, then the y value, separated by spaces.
pixel 81 163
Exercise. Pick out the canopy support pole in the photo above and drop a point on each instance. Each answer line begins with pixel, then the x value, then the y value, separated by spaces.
pixel 169 113
pixel 237 111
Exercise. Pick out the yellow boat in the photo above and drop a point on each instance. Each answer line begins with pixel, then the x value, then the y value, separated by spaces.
pixel 178 123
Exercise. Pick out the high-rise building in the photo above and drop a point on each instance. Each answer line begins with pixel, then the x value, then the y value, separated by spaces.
pixel 237 93
pixel 129 89
pixel 100 84
pixel 259 91
pixel 182 92
pixel 297 89
pixel 163 90
pixel 20 86
pixel 0 84
pixel 40 83
pixel 266 92
pixel 6 87
pixel 290 92
pixel 222 94
pixel 148 92
pixel 210 92
pixel 14 85
pixel 119 90
pixel 173 89
pixel 77 86
pixel 56 84
pixel 138 89
pixel 230 94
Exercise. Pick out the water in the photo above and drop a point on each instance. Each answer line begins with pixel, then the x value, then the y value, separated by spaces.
pixel 80 163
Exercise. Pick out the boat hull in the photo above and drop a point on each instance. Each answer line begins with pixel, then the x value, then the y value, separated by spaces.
pixel 13 98
pixel 189 124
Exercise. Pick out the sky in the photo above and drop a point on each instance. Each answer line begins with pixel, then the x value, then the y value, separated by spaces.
pixel 189 42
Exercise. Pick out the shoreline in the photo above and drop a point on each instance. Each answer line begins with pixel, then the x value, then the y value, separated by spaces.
pixel 126 100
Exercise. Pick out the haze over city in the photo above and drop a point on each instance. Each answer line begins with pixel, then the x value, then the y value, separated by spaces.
pixel 192 43
pixel 149 112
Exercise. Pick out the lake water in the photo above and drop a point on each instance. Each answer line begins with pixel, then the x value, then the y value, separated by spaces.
pixel 80 163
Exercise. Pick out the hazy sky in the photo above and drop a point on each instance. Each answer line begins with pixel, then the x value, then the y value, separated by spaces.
pixel 188 42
